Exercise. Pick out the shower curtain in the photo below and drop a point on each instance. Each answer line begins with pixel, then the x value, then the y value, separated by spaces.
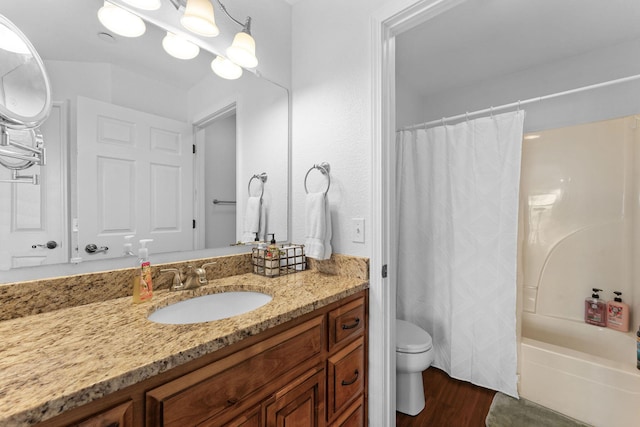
pixel 457 193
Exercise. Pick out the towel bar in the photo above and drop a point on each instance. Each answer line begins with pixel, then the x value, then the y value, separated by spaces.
pixel 262 178
pixel 324 168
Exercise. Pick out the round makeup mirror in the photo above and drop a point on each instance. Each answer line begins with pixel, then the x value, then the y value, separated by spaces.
pixel 25 92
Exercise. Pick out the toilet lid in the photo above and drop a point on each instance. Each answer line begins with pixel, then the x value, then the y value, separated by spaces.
pixel 411 338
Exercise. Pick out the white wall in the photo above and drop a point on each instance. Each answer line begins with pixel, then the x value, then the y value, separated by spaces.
pixel 332 111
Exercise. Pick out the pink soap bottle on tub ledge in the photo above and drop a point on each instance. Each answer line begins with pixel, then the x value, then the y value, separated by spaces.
pixel 618 313
pixel 595 311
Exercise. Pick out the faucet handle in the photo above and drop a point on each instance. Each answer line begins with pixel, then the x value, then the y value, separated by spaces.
pixel 177 284
pixel 206 264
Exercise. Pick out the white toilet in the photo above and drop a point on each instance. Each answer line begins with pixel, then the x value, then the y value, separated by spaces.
pixel 414 354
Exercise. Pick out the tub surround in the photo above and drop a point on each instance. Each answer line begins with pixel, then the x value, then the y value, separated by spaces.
pixel 63 358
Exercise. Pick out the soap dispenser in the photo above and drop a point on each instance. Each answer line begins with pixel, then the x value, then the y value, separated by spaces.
pixel 142 284
pixel 595 310
pixel 127 247
pixel 618 313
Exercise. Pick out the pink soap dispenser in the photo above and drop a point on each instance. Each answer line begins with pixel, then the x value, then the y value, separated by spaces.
pixel 595 311
pixel 618 314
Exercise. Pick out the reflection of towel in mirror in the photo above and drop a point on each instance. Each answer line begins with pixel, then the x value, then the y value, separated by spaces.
pixel 317 226
pixel 252 220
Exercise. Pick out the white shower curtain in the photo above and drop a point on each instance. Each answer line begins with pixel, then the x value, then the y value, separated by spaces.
pixel 457 193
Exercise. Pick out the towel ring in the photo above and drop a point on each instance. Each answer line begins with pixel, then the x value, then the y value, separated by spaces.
pixel 262 178
pixel 324 168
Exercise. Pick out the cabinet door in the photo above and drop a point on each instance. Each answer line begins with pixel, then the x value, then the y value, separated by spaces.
pixel 346 376
pixel 119 416
pixel 354 416
pixel 251 418
pixel 299 405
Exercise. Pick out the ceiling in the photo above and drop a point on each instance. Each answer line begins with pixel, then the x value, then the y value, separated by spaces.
pixel 482 39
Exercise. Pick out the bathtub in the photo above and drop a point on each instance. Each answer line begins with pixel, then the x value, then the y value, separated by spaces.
pixel 583 371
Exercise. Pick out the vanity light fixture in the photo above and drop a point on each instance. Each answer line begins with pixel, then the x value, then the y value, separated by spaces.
pixel 199 18
pixel 121 21
pixel 179 47
pixel 242 51
pixel 225 68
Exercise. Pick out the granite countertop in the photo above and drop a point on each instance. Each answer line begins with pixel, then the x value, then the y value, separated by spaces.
pixel 56 361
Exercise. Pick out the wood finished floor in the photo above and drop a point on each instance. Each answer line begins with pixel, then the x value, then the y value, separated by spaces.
pixel 449 403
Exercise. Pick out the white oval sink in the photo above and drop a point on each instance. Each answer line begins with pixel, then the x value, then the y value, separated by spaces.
pixel 209 307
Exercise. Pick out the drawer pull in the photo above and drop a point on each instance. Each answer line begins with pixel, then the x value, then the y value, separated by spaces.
pixel 232 402
pixel 345 383
pixel 353 325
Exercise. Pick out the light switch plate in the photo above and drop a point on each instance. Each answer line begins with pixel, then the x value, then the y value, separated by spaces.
pixel 357 230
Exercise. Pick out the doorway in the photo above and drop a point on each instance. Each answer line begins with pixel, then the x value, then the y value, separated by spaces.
pixel 216 135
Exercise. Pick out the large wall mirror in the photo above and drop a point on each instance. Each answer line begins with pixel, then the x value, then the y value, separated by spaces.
pixel 126 119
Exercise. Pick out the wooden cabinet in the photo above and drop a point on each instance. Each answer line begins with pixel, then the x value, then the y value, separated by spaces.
pixel 347 363
pixel 119 416
pixel 226 387
pixel 299 404
pixel 310 371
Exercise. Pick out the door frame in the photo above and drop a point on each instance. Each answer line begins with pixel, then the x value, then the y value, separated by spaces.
pixel 387 23
pixel 199 185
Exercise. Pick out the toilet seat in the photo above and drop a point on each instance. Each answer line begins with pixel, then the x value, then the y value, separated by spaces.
pixel 411 338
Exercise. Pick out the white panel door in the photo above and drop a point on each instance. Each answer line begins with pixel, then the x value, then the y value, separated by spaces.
pixel 32 215
pixel 134 177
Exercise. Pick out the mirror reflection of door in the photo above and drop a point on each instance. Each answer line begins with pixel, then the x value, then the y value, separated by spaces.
pixel 135 176
pixel 35 214
pixel 219 137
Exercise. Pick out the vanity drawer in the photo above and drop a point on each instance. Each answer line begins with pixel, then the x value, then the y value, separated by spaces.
pixel 346 372
pixel 346 322
pixel 231 384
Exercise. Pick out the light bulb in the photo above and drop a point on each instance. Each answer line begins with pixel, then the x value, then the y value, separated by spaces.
pixel 179 47
pixel 243 50
pixel 198 17
pixel 225 68
pixel 121 21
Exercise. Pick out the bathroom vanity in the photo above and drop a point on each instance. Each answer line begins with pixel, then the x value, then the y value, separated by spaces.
pixel 299 359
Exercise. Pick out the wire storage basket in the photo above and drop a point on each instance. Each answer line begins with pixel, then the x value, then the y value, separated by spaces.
pixel 274 262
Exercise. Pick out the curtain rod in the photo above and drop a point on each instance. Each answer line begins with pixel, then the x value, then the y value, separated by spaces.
pixel 519 104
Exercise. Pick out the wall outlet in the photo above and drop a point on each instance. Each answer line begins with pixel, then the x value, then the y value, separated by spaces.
pixel 357 230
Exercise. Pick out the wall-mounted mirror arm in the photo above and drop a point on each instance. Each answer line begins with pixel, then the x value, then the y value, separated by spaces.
pixel 22 179
pixel 37 156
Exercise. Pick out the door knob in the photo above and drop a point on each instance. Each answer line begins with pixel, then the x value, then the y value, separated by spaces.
pixel 49 245
pixel 94 249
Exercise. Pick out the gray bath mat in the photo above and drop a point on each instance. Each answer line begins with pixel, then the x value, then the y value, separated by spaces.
pixel 506 411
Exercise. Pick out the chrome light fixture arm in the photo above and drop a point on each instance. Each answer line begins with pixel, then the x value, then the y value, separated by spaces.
pixel 246 27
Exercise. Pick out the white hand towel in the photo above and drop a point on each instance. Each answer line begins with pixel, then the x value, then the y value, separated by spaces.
pixel 317 226
pixel 252 218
